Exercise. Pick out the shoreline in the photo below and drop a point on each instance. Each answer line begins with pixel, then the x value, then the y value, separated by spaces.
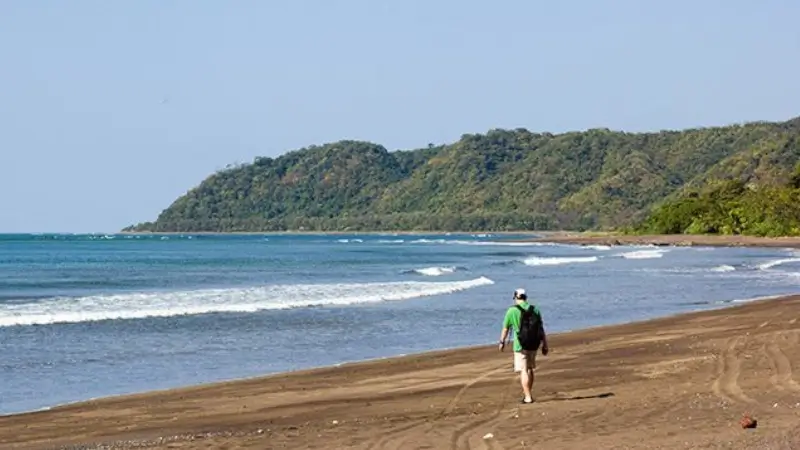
pixel 286 391
pixel 722 305
pixel 675 240
pixel 263 376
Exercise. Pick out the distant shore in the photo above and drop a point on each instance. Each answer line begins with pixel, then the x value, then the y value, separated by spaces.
pixel 555 236
pixel 668 381
pixel 687 240
pixel 374 233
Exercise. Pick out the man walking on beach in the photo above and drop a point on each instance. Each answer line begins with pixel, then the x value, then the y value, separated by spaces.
pixel 526 321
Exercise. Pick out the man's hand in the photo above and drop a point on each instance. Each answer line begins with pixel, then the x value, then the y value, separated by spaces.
pixel 545 349
pixel 503 336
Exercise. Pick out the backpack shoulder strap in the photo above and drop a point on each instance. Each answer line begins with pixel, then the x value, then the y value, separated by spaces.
pixel 523 311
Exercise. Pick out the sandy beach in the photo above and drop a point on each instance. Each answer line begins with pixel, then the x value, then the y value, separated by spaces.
pixel 678 382
pixel 564 237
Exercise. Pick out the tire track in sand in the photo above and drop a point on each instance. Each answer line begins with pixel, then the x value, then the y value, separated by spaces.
pixel 726 385
pixel 450 406
pixel 465 437
pixel 773 368
pixel 470 436
pixel 395 439
pixel 782 376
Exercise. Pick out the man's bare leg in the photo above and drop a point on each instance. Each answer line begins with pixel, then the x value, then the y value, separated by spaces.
pixel 530 380
pixel 526 379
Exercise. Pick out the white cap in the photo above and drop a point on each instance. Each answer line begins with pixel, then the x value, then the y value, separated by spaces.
pixel 519 292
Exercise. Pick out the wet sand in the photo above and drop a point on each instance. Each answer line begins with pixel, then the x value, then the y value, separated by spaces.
pixel 564 237
pixel 678 382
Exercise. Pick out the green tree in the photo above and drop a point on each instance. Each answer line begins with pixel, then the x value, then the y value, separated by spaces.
pixel 709 180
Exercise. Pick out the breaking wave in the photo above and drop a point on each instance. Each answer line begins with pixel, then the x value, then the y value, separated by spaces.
pixel 557 260
pixel 643 254
pixel 778 262
pixel 598 247
pixel 482 243
pixel 724 268
pixel 435 271
pixel 180 303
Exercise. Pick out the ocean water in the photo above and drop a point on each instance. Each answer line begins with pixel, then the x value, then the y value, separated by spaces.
pixel 86 316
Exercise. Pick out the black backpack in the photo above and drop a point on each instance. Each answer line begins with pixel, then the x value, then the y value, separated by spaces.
pixel 530 326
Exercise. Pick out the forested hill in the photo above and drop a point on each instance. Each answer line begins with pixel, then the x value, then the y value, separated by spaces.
pixel 501 180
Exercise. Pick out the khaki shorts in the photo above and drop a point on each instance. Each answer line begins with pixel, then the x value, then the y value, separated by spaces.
pixel 526 359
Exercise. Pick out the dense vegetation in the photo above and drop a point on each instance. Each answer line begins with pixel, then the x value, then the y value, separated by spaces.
pixel 730 207
pixel 502 180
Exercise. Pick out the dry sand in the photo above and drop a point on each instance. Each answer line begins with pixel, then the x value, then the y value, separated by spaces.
pixel 677 382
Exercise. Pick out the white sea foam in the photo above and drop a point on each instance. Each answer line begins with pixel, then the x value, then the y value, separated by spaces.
pixel 598 247
pixel 483 243
pixel 755 299
pixel 778 262
pixel 643 254
pixel 557 260
pixel 166 304
pixel 724 268
pixel 435 271
pixel 505 244
pixel 429 241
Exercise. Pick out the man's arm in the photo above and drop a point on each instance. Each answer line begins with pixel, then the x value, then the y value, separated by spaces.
pixel 504 331
pixel 503 336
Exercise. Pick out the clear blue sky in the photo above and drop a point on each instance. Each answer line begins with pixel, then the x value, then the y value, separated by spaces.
pixel 111 110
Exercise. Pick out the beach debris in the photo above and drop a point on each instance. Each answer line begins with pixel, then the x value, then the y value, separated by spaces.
pixel 488 436
pixel 748 422
pixel 335 422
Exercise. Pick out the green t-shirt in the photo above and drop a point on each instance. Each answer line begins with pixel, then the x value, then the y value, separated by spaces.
pixel 514 317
